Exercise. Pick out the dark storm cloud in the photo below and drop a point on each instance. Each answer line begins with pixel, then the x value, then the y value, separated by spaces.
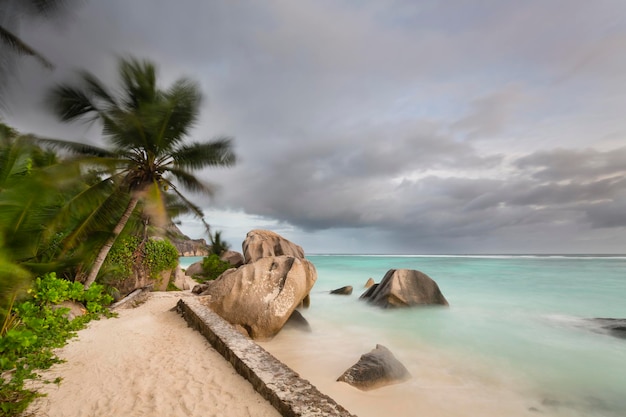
pixel 472 127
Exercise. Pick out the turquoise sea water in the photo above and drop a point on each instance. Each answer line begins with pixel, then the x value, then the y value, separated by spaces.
pixel 525 316
pixel 516 336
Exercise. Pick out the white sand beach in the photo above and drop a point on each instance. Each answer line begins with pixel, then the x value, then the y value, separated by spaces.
pixel 146 362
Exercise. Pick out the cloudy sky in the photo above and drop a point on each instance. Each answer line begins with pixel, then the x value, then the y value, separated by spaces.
pixel 486 126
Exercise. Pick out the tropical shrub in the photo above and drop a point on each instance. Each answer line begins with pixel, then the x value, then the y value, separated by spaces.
pixel 160 255
pixel 153 257
pixel 26 345
pixel 213 267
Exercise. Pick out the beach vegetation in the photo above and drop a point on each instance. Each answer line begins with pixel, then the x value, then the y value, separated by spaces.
pixel 26 196
pixel 37 327
pixel 131 255
pixel 146 157
pixel 213 267
pixel 160 255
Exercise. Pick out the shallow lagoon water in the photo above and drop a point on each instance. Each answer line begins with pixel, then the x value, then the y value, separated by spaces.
pixel 517 330
pixel 515 341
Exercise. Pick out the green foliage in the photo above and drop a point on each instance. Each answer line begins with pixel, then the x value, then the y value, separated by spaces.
pixel 121 258
pixel 160 255
pixel 44 205
pixel 28 346
pixel 156 256
pixel 213 267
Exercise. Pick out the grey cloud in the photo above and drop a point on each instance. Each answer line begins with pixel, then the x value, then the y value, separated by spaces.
pixel 367 119
pixel 574 164
pixel 489 115
pixel 608 214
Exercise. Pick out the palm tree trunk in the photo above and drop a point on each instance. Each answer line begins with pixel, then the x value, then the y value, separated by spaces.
pixel 104 251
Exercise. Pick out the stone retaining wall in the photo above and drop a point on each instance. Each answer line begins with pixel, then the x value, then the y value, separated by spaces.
pixel 291 395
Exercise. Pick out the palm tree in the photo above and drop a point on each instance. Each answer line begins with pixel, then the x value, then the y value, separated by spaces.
pixel 145 128
pixel 218 246
pixel 26 195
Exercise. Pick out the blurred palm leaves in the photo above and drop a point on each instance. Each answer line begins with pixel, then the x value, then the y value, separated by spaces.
pixel 145 128
pixel 13 15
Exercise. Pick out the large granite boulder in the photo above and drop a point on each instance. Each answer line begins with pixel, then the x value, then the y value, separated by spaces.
pixel 405 288
pixel 264 243
pixel 194 269
pixel 199 288
pixel 232 257
pixel 182 281
pixel 375 369
pixel 261 296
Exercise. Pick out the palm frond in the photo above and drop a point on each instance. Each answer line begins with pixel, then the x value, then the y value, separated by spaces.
pixel 74 147
pixel 138 82
pixel 97 89
pixel 200 155
pixel 190 182
pixel 14 159
pixel 127 130
pixel 21 217
pixel 46 7
pixel 180 112
pixel 70 103
pixel 100 217
pixel 176 207
pixel 190 206
pixel 22 48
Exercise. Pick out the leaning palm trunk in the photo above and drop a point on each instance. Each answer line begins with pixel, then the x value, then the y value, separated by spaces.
pixel 104 251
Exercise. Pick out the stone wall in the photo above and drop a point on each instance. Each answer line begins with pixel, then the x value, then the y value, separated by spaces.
pixel 291 395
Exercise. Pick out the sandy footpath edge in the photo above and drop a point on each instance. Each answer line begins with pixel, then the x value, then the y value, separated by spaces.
pixel 146 362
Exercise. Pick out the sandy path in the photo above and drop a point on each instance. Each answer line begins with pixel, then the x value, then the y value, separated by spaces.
pixel 146 362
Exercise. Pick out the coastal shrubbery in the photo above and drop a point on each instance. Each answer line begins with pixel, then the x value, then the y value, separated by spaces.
pixel 34 328
pixel 213 267
pixel 153 256
pixel 160 255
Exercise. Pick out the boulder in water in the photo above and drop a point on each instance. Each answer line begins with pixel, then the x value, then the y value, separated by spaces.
pixel 615 327
pixel 405 288
pixel 297 321
pixel 347 290
pixel 369 283
pixel 375 369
